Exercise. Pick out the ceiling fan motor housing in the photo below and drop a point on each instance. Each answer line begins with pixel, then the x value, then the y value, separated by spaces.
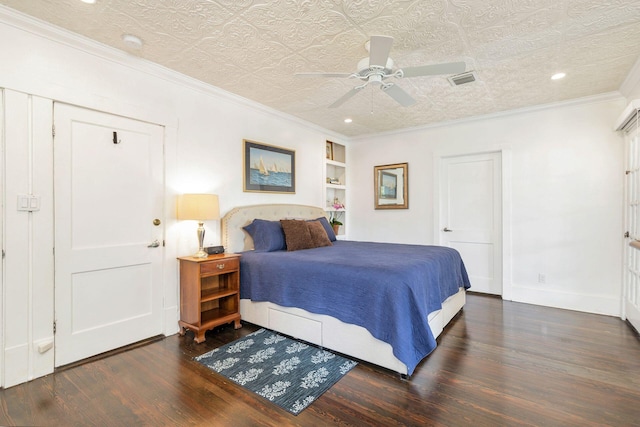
pixel 371 70
pixel 365 70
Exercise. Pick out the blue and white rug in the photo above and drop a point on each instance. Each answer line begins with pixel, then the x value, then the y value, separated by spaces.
pixel 287 372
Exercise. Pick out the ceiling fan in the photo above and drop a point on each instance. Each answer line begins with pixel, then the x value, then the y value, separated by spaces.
pixel 378 67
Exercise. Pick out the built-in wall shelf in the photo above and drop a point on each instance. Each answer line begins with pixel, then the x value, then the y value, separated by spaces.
pixel 335 183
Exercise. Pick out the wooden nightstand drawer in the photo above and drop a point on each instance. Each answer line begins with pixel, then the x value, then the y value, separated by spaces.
pixel 219 266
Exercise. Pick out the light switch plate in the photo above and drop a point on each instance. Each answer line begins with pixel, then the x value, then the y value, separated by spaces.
pixel 28 202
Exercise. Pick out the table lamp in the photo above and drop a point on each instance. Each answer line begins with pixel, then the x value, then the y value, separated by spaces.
pixel 199 207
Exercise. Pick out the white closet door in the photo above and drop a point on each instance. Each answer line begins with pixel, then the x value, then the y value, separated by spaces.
pixel 108 192
pixel 471 216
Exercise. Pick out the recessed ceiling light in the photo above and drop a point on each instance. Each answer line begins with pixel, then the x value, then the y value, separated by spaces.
pixel 132 41
pixel 558 76
pixel 347 120
pixel 88 1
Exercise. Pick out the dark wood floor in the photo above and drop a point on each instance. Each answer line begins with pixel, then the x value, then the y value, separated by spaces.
pixel 498 363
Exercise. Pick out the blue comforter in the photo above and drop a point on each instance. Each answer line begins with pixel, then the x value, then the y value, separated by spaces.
pixel 389 289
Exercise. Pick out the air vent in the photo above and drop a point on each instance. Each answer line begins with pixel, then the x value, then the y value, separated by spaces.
pixel 461 79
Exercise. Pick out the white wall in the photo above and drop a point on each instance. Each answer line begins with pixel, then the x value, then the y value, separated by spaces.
pixel 565 174
pixel 204 129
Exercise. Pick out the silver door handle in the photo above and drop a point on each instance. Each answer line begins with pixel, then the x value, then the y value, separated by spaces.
pixel 447 230
pixel 154 244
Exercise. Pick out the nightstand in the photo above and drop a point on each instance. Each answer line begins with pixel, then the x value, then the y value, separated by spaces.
pixel 209 293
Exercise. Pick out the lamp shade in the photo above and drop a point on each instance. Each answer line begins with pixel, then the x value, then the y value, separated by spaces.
pixel 199 207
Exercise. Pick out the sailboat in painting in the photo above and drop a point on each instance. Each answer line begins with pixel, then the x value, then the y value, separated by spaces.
pixel 270 169
pixel 263 169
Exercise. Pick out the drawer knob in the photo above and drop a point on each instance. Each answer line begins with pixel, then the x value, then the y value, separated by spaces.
pixel 220 266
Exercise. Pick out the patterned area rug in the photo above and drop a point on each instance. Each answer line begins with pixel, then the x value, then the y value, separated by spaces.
pixel 289 373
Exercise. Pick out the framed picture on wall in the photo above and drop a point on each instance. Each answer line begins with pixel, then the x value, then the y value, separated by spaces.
pixel 268 168
pixel 391 186
pixel 329 150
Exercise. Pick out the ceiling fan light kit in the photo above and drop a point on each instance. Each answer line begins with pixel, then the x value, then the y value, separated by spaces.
pixel 378 67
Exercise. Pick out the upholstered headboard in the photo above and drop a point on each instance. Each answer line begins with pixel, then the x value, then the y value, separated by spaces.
pixel 235 239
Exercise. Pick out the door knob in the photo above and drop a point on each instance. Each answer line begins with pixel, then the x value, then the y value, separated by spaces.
pixel 447 230
pixel 154 244
pixel 156 222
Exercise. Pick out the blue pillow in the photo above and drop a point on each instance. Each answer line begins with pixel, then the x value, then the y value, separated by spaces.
pixel 327 227
pixel 267 235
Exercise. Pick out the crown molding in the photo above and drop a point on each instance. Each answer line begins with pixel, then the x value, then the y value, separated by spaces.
pixel 86 45
pixel 604 97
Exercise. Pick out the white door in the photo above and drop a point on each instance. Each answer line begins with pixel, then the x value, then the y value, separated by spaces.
pixel 471 216
pixel 108 184
pixel 632 252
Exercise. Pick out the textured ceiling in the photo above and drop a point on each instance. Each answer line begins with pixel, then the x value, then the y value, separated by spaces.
pixel 254 48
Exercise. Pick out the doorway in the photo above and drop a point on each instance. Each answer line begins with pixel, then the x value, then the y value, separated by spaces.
pixel 470 217
pixel 108 186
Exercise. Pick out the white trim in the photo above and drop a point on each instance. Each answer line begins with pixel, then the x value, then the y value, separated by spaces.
pixel 604 97
pixel 627 311
pixel 171 269
pixel 597 304
pixel 18 371
pixel 40 28
pixel 3 193
pixel 507 284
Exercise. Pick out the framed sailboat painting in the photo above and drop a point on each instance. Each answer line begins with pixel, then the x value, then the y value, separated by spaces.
pixel 268 168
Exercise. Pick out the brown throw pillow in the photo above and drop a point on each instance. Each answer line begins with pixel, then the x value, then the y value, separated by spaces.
pixel 319 235
pixel 296 234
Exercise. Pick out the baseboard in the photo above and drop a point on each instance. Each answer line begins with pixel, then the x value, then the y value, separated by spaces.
pixel 633 328
pixel 17 358
pixel 597 304
pixel 171 317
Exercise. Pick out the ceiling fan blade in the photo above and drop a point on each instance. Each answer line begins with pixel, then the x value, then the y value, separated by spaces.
pixel 379 48
pixel 323 74
pixel 434 69
pixel 346 97
pixel 397 93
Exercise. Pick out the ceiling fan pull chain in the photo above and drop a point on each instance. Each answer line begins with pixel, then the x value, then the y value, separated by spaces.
pixel 372 101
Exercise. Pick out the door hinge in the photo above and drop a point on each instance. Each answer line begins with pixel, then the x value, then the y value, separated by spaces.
pixel 55 327
pixel 53 131
pixel 3 254
pixel 626 234
pixel 163 245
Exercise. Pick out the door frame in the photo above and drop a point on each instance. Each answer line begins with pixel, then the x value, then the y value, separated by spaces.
pixel 633 132
pixel 505 153
pixel 169 287
pixel 2 215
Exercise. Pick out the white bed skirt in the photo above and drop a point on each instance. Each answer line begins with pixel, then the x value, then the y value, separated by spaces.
pixel 333 334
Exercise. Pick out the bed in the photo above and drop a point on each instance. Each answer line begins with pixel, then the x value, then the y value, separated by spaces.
pixel 394 338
